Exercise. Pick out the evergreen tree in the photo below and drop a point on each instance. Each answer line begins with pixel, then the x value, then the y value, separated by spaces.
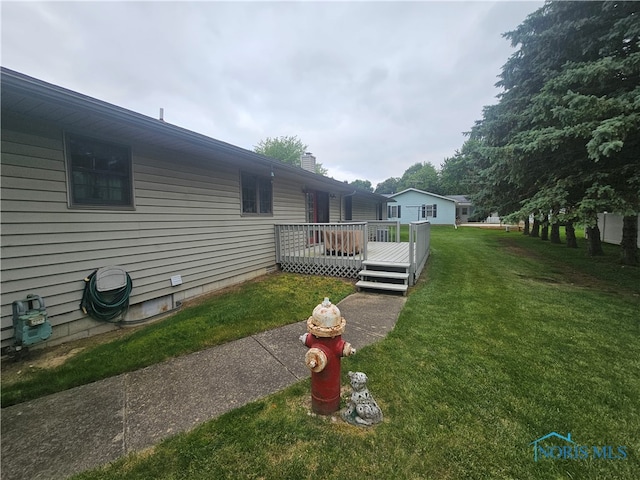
pixel 563 137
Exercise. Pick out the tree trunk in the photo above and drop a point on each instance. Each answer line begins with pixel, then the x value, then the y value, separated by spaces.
pixel 535 228
pixel 555 233
pixel 629 242
pixel 594 244
pixel 544 233
pixel 526 227
pixel 570 231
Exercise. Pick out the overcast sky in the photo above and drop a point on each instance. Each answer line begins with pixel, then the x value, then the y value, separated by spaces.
pixel 371 87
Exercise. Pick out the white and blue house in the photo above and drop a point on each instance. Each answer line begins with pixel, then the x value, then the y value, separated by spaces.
pixel 413 205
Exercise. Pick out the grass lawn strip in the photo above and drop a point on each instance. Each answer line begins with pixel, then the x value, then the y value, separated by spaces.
pixel 251 308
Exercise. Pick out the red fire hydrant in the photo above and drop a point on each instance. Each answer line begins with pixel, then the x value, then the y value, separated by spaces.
pixel 325 328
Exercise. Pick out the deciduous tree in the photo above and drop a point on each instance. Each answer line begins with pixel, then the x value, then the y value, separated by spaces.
pixel 390 185
pixel 362 184
pixel 287 149
pixel 422 176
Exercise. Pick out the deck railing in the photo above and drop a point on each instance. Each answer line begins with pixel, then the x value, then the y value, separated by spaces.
pixel 419 243
pixel 383 231
pixel 336 249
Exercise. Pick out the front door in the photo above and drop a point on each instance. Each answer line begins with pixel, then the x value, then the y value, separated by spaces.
pixel 317 212
pixel 317 207
pixel 348 208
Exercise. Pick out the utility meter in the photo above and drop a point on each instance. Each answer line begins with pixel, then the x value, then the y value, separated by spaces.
pixel 30 323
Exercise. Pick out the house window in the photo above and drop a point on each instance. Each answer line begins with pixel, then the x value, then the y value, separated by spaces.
pixel 393 211
pixel 257 195
pixel 429 211
pixel 99 173
pixel 464 211
pixel 348 208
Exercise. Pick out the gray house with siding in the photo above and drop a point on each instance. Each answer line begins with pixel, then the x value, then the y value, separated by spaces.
pixel 86 184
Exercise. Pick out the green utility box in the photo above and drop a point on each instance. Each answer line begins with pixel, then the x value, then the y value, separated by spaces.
pixel 30 323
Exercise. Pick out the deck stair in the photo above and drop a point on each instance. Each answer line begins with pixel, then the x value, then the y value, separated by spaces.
pixel 387 276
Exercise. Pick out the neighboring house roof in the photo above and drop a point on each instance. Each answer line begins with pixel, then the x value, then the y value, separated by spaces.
pixel 29 96
pixel 422 192
pixel 460 199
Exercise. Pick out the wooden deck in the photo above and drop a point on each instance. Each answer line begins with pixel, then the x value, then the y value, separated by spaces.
pixel 387 267
pixel 310 249
pixel 387 252
pixel 383 252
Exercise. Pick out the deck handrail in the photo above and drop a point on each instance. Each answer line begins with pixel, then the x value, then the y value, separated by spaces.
pixel 419 244
pixel 383 230
pixel 340 249
pixel 325 248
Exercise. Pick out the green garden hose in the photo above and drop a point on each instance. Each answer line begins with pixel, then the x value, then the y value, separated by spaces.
pixel 105 306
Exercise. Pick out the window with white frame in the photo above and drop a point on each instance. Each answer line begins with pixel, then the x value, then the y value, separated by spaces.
pixel 393 211
pixel 257 195
pixel 429 211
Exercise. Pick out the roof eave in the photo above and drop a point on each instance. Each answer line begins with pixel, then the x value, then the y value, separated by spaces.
pixel 16 82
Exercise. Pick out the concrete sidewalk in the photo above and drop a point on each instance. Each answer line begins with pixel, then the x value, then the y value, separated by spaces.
pixel 66 433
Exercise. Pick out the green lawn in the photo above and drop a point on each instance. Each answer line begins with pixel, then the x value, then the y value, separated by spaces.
pixel 254 307
pixel 504 339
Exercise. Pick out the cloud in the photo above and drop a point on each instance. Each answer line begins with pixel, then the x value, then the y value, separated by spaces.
pixel 370 87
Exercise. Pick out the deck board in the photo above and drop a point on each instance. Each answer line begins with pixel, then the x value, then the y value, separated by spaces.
pixel 388 252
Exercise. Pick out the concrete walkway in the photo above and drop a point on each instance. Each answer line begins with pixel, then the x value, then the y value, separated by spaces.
pixel 66 433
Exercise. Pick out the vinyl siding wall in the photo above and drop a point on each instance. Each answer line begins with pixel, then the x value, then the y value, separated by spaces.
pixel 363 210
pixel 187 221
pixel 411 201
